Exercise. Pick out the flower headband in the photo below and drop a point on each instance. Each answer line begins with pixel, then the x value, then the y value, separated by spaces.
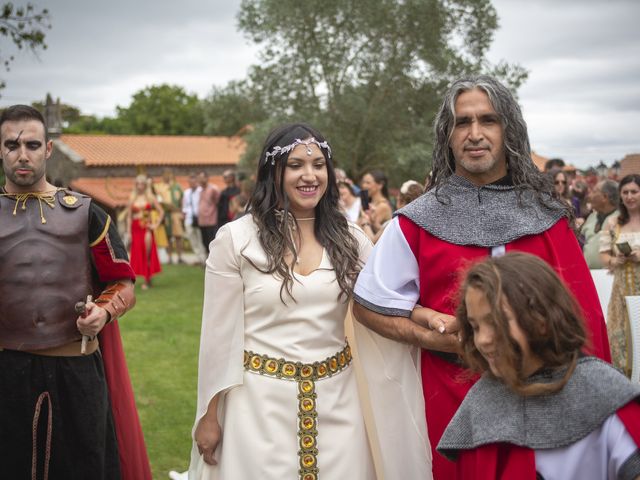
pixel 277 151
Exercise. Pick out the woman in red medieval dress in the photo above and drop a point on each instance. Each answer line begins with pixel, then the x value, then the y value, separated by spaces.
pixel 144 254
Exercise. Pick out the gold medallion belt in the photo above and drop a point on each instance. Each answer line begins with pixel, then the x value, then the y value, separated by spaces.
pixel 306 375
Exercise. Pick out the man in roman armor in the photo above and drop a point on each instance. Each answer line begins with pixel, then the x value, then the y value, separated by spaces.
pixel 64 280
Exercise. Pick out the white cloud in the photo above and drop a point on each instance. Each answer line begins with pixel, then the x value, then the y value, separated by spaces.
pixel 582 98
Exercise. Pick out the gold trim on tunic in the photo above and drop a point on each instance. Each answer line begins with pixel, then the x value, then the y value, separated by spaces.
pixel 103 234
pixel 305 374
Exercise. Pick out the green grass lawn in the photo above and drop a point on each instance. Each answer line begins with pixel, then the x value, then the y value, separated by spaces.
pixel 161 337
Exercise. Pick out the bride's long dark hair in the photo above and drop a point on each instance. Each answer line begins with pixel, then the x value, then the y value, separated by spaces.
pixel 269 206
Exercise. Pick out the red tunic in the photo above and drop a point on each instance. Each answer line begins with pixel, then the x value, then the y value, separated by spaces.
pixel 442 266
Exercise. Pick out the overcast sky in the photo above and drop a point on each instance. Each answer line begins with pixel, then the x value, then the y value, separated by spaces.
pixel 581 101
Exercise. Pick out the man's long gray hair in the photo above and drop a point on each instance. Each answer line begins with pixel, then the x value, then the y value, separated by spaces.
pixel 524 173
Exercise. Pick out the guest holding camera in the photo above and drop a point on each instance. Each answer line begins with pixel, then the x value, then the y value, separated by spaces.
pixel 620 253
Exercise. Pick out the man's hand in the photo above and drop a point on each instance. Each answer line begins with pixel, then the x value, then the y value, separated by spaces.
pixel 439 342
pixel 410 330
pixel 95 319
pixel 443 330
pixel 433 320
pixel 207 436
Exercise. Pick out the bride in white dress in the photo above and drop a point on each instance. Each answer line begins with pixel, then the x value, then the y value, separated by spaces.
pixel 277 391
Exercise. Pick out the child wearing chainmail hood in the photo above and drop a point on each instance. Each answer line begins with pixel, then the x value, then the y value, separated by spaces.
pixel 541 409
pixel 277 391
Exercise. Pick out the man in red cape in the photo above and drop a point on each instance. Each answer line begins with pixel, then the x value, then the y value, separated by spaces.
pixel 486 197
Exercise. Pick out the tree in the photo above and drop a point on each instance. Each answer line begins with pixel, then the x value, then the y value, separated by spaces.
pixel 74 121
pixel 94 125
pixel 156 110
pixel 161 110
pixel 228 110
pixel 25 27
pixel 369 73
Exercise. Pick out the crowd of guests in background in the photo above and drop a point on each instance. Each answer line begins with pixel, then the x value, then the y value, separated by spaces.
pixel 162 219
pixel 370 203
pixel 607 219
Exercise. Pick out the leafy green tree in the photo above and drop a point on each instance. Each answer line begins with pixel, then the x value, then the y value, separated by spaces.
pixel 25 27
pixel 95 125
pixel 74 121
pixel 155 110
pixel 369 73
pixel 161 110
pixel 229 110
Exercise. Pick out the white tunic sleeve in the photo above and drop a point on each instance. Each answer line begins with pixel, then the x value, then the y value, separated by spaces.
pixel 389 283
pixel 220 364
pixel 621 446
pixel 599 455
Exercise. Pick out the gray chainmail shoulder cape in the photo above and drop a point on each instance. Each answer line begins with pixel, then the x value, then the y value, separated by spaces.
pixel 463 213
pixel 492 413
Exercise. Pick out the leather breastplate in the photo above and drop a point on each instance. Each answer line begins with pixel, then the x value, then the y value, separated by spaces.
pixel 45 269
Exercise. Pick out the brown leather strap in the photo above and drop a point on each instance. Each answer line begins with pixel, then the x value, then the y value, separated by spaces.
pixel 34 437
pixel 68 350
pixel 117 299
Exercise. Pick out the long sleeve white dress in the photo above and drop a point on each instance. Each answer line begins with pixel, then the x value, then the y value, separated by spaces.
pixel 304 424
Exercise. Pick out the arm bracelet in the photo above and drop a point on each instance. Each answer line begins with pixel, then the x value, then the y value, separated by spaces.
pixel 117 299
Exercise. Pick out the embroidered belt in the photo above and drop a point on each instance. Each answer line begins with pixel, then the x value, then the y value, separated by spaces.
pixel 305 374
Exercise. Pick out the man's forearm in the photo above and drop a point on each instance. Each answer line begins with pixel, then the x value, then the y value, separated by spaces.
pixel 117 298
pixel 404 330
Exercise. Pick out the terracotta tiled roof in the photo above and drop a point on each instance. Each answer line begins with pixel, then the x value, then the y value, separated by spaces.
pixel 116 150
pixel 630 164
pixel 539 160
pixel 114 192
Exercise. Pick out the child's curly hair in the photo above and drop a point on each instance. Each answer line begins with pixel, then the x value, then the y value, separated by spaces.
pixel 546 312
